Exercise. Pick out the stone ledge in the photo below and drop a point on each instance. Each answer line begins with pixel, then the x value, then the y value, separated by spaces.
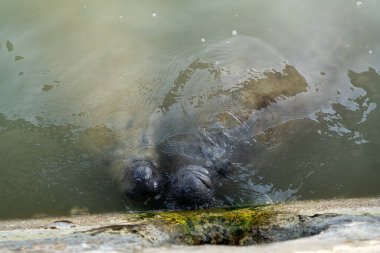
pixel 126 232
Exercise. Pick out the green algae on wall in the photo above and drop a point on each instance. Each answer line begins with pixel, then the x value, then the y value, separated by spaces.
pixel 214 226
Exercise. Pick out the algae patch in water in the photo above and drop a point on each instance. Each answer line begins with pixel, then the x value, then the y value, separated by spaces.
pixel 47 87
pixel 9 46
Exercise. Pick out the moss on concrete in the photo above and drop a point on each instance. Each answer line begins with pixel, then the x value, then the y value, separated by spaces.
pixel 213 226
pixel 122 232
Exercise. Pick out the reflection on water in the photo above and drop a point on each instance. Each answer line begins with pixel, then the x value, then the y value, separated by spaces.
pixel 85 85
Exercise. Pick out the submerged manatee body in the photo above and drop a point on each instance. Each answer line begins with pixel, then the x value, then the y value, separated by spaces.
pixel 203 132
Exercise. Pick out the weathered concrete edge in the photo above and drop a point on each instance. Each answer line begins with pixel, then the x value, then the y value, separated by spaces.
pixel 294 219
pixel 338 206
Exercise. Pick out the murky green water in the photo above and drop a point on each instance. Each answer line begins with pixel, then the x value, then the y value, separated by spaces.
pixel 81 81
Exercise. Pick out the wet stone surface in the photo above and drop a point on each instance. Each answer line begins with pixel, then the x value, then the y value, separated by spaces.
pixel 337 221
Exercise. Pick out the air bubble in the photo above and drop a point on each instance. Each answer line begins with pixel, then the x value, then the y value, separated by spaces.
pixel 154 15
pixel 203 40
pixel 370 51
pixel 234 32
pixel 359 3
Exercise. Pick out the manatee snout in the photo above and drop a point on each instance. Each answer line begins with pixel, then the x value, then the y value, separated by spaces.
pixel 192 187
pixel 189 188
pixel 141 179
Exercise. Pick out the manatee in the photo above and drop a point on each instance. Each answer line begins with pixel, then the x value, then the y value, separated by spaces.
pixel 141 179
pixel 203 131
pixel 191 187
pixel 196 163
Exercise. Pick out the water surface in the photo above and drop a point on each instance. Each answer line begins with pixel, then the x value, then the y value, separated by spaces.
pixel 84 81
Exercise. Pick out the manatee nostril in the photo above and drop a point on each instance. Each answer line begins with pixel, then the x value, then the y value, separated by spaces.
pixel 138 180
pixel 186 191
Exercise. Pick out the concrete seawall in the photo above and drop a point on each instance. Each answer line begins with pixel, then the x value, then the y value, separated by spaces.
pixel 344 225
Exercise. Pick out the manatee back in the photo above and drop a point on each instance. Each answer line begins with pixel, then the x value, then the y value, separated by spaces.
pixel 208 117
